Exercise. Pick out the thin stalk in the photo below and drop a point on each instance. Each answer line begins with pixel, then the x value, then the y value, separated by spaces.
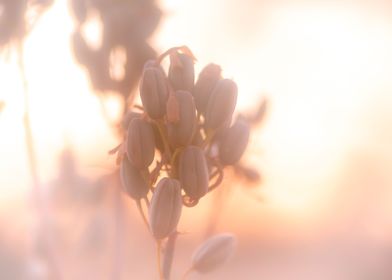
pixel 169 254
pixel 140 208
pixel 52 257
pixel 164 139
pixel 159 263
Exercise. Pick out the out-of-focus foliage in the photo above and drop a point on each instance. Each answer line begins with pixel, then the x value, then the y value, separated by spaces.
pixel 17 18
pixel 115 64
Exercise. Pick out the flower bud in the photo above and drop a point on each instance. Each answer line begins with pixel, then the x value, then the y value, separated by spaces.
pixel 233 142
pixel 128 117
pixel 213 252
pixel 154 92
pixel 181 71
pixel 181 132
pixel 221 103
pixel 140 143
pixel 205 84
pixel 193 172
pixel 132 180
pixel 165 208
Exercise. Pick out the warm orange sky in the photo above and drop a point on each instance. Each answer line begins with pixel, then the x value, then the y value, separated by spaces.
pixel 325 67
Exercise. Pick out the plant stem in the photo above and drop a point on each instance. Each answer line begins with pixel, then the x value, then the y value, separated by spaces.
pixel 166 145
pixel 52 257
pixel 140 208
pixel 159 263
pixel 169 254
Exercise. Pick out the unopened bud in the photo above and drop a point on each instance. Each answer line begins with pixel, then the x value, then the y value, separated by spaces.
pixel 181 71
pixel 233 142
pixel 221 103
pixel 128 117
pixel 165 208
pixel 205 84
pixel 213 252
pixel 154 92
pixel 193 172
pixel 181 132
pixel 134 184
pixel 140 143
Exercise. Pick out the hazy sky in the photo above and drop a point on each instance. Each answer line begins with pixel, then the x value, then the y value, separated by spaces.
pixel 324 65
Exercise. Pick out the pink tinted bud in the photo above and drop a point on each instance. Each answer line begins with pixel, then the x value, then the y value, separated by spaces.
pixel 181 132
pixel 193 172
pixel 154 92
pixel 181 71
pixel 213 253
pixel 140 143
pixel 165 208
pixel 233 142
pixel 128 117
pixel 221 104
pixel 208 78
pixel 132 180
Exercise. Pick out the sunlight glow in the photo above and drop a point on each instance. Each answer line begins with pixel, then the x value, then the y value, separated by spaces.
pixel 318 65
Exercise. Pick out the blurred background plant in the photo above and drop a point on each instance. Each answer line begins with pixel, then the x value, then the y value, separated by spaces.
pixel 115 56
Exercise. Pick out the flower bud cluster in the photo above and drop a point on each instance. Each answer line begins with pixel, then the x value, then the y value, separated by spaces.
pixel 179 125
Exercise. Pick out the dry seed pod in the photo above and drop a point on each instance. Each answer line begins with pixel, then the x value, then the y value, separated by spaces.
pixel 165 208
pixel 213 252
pixel 140 143
pixel 208 78
pixel 193 172
pixel 233 142
pixel 132 180
pixel 181 71
pixel 221 103
pixel 154 92
pixel 181 132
